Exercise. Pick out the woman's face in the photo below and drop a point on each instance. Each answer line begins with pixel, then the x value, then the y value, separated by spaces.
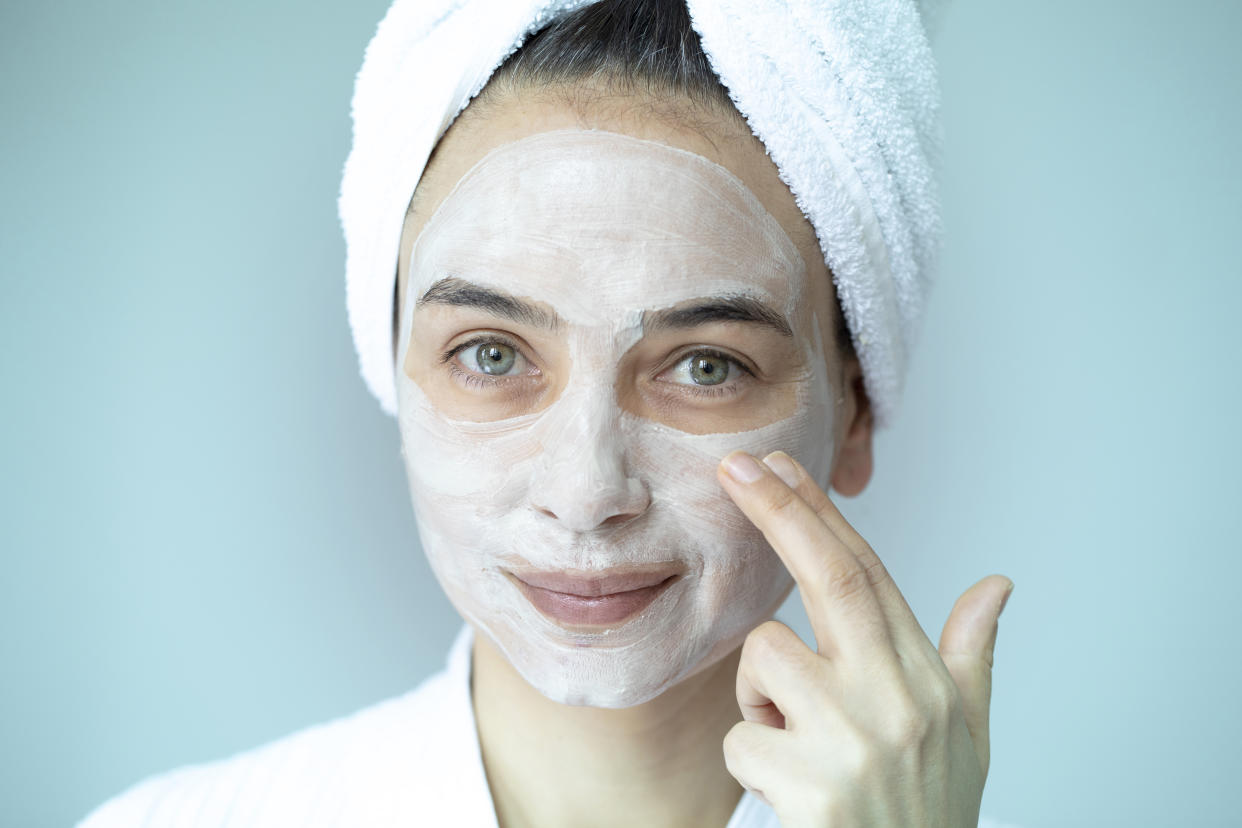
pixel 594 312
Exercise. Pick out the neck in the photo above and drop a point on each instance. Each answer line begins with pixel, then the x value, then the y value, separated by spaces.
pixel 550 764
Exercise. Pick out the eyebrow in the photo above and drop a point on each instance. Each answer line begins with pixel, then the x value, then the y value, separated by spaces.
pixel 718 309
pixel 460 293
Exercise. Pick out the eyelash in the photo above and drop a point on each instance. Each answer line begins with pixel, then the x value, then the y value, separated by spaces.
pixel 708 390
pixel 469 378
pixel 473 380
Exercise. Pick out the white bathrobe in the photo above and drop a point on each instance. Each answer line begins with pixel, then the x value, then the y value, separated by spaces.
pixel 412 760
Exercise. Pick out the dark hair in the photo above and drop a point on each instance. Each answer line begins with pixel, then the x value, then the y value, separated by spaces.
pixel 626 46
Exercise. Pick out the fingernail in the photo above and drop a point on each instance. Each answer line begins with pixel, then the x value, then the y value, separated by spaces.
pixel 742 467
pixel 1005 600
pixel 779 462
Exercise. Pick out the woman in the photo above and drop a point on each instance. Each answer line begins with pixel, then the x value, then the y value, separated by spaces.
pixel 624 383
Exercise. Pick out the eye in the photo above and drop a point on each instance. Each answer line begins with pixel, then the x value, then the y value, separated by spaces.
pixel 709 372
pixel 494 358
pixel 486 359
pixel 705 369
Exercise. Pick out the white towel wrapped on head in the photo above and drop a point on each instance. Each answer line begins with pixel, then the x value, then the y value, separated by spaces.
pixel 843 95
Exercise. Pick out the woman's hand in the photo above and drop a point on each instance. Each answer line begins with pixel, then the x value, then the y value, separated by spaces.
pixel 878 728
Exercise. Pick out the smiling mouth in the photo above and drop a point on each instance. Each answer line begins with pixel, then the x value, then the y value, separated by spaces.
pixel 605 599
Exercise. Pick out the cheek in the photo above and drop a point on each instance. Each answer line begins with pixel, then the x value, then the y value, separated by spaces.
pixel 688 501
pixel 464 478
pixel 680 468
pixel 467 474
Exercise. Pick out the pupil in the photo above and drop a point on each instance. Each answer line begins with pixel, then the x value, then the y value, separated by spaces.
pixel 709 370
pixel 494 358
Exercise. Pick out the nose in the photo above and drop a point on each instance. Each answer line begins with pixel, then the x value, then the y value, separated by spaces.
pixel 581 480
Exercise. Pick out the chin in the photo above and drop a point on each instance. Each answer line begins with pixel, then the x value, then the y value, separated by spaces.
pixel 615 690
pixel 580 675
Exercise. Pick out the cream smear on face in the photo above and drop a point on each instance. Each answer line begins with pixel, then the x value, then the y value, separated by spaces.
pixel 602 227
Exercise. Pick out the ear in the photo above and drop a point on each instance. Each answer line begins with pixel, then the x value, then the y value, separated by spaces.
pixel 396 314
pixel 852 470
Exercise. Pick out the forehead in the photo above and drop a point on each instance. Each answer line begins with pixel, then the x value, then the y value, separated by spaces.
pixel 592 222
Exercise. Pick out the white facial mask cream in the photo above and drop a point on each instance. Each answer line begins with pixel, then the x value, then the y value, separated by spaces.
pixel 603 228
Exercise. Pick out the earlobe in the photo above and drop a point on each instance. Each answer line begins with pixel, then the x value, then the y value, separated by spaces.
pixel 854 463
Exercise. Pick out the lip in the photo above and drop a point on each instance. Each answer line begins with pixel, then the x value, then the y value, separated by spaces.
pixel 594 599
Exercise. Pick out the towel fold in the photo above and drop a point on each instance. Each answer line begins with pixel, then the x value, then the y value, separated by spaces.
pixel 844 96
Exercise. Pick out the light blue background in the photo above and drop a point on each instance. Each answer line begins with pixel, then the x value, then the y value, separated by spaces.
pixel 207 537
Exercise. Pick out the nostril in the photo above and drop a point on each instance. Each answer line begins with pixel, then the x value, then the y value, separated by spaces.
pixel 592 516
pixel 624 517
pixel 605 498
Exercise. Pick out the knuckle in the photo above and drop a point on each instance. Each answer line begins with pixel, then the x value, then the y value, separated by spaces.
pixel 874 568
pixel 860 757
pixel 754 646
pixel 774 645
pixel 907 724
pixel 741 747
pixel 733 759
pixel 843 579
pixel 782 501
pixel 766 632
pixel 764 641
pixel 943 700
pixel 734 742
pixel 912 731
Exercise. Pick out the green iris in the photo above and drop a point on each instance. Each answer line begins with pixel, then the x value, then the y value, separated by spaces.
pixel 495 357
pixel 708 370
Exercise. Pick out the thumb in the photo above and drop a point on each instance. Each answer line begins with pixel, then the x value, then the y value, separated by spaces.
pixel 966 647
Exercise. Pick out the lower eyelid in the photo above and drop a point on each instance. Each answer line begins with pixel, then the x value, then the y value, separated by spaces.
pixel 720 391
pixel 711 390
pixel 469 378
pixel 477 378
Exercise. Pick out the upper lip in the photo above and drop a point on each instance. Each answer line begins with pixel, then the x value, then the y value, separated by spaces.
pixel 596 582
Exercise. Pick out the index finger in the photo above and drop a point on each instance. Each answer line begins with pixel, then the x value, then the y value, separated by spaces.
pixel 843 609
pixel 906 632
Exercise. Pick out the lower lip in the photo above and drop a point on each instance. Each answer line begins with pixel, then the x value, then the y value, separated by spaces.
pixel 595 611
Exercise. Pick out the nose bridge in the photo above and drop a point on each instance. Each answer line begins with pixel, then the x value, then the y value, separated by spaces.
pixel 582 478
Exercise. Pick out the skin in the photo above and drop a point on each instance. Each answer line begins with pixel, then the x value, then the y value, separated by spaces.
pixel 689 739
